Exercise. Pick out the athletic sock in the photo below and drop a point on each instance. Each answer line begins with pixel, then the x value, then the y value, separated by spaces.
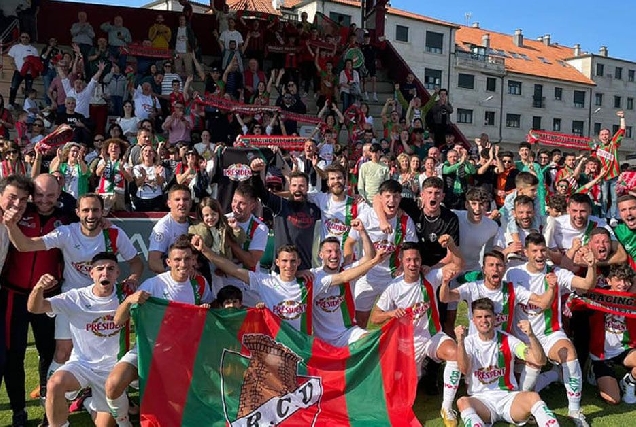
pixel 630 378
pixel 543 415
pixel 573 385
pixel 470 418
pixel 528 378
pixel 54 366
pixel 451 382
pixel 545 379
pixel 119 410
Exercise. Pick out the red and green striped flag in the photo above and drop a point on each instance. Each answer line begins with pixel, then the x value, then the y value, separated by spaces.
pixel 201 367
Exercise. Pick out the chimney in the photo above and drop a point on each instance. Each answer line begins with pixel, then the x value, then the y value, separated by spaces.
pixel 485 40
pixel 475 25
pixel 518 38
pixel 546 40
pixel 540 39
pixel 577 49
pixel 603 51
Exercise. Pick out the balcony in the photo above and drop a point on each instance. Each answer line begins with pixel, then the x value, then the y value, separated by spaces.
pixel 538 102
pixel 485 63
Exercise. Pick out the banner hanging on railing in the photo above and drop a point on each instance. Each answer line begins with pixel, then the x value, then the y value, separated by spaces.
pixel 558 140
pixel 289 143
pixel 611 302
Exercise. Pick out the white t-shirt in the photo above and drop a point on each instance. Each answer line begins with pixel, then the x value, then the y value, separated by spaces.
pixel 28 105
pixel 423 299
pixel 285 299
pixel 258 241
pixel 504 311
pixel 206 152
pixel 19 52
pixel 543 322
pixel 564 232
pixel 492 363
pixel 474 238
pixel 165 232
pixel 227 36
pixel 144 104
pixel 165 287
pixel 78 250
pixel 181 45
pixel 381 273
pixel 129 126
pixel 93 331
pixel 149 189
pixel 334 214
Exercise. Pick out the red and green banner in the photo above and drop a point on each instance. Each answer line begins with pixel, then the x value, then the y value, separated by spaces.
pixel 201 367
pixel 146 51
pixel 607 301
pixel 285 142
pixel 557 139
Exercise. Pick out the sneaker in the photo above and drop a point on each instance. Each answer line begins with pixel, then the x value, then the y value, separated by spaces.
pixel 629 390
pixel 449 417
pixel 366 96
pixel 19 419
pixel 579 419
pixel 78 403
pixel 613 222
pixel 375 97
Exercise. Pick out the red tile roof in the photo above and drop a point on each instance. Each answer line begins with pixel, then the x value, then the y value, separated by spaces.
pixel 263 6
pixel 551 67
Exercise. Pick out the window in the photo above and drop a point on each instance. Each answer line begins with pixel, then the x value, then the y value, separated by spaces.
pixel 556 125
pixel 597 128
pixel 600 70
pixel 630 103
pixel 401 33
pixel 434 42
pixel 489 118
pixel 618 101
pixel 618 73
pixel 346 19
pixel 630 75
pixel 579 99
pixel 464 116
pixel 577 127
pixel 615 129
pixel 525 57
pixel 514 88
pixel 598 99
pixel 432 78
pixel 628 132
pixel 558 93
pixel 513 120
pixel 467 81
pixel 542 59
pixel 491 84
pixel 536 123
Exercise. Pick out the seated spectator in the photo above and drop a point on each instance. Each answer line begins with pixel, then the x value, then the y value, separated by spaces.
pixel 6 120
pixel 115 131
pixel 37 131
pixel 31 106
pixel 12 162
pixel 128 122
pixel 205 148
pixel 149 178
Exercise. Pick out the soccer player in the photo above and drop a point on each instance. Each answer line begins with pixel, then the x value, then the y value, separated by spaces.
pixel 95 336
pixel 487 360
pixel 412 290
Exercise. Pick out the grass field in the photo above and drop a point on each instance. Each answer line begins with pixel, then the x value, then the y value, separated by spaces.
pixel 598 413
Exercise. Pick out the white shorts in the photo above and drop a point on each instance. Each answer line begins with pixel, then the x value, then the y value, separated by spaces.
pixel 131 357
pixel 429 349
pixel 349 336
pixel 86 376
pixel 62 327
pixel 365 294
pixel 499 403
pixel 548 341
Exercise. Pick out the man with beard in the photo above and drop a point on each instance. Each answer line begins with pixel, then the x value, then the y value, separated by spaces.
pixel 89 309
pixel 369 287
pixel 311 164
pixel 547 323
pixel 294 218
pixel 526 222
pixel 168 229
pixel 626 230
pixel 21 273
pixel 506 174
pixel 79 242
pixel 487 360
pixel 417 292
pixel 337 209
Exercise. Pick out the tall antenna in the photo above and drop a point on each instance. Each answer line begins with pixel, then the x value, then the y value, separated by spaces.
pixel 467 17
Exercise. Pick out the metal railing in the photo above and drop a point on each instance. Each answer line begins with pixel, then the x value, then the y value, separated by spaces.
pixel 6 41
pixel 489 59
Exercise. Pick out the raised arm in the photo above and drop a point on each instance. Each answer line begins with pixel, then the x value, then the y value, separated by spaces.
pixel 21 242
pixel 463 361
pixel 224 264
pixel 36 303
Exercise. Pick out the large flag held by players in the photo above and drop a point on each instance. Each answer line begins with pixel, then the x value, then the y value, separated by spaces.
pixel 201 367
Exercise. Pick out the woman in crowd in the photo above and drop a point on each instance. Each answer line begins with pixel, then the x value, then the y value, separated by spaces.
pixel 149 179
pixel 113 174
pixel 70 163
pixel 128 123
pixel 12 162
pixel 115 131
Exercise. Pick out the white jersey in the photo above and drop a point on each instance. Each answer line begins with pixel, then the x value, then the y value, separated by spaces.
pixel 403 231
pixel 474 238
pixel 492 362
pixel 165 233
pixel 564 233
pixel 165 287
pixel 257 235
pixel 93 331
pixel 543 322
pixel 291 301
pixel 336 215
pixel 505 299
pixel 422 297
pixel 333 309
pixel 4 244
pixel 78 250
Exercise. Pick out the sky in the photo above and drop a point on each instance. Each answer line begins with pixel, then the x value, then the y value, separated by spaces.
pixel 567 21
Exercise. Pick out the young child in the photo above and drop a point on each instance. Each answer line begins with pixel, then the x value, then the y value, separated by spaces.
pixel 176 96
pixel 229 297
pixel 31 106
pixel 215 228
pixel 22 128
pixel 526 184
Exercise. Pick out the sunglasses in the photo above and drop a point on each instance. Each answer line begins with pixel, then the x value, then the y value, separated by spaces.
pixel 506 161
pixel 167 66
pixel 98 140
pixel 38 124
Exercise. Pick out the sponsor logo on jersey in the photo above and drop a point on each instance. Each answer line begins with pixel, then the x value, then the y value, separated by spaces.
pixel 336 227
pixel 420 309
pixel 104 326
pixel 489 374
pixel 301 220
pixel 531 309
pixel 83 267
pixel 615 324
pixel 238 172
pixel 289 310
pixel 330 303
pixel 500 318
pixel 384 244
